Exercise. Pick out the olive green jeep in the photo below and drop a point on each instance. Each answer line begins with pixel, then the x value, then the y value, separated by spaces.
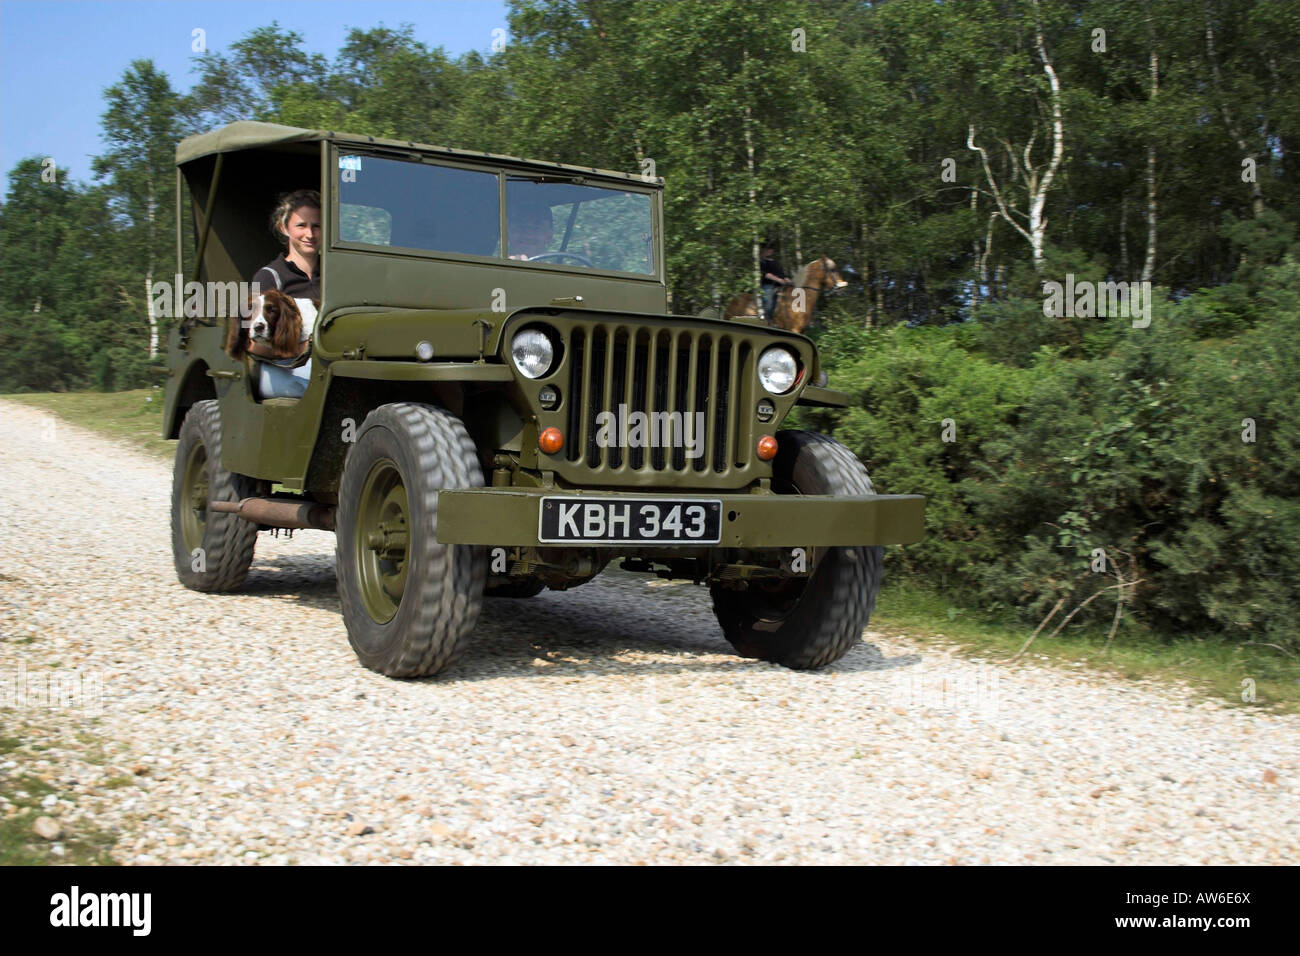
pixel 489 417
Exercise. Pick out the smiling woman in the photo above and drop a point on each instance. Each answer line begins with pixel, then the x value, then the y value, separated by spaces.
pixel 296 222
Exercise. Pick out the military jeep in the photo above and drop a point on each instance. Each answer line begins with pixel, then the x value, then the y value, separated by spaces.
pixel 485 419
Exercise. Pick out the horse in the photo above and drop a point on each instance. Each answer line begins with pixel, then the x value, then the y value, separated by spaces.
pixel 794 312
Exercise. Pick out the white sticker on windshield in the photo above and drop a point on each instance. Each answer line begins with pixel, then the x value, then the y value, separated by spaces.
pixel 350 162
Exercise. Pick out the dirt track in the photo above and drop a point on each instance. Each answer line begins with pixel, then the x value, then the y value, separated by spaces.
pixel 609 724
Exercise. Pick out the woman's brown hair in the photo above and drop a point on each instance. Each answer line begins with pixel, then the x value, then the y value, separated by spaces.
pixel 284 209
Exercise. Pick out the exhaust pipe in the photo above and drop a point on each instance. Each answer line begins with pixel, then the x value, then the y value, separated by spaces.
pixel 279 512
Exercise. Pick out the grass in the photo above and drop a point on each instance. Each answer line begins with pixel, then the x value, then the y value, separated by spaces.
pixel 1213 666
pixel 134 417
pixel 83 843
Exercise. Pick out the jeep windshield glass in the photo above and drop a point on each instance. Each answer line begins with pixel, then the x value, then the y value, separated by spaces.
pixel 564 223
pixel 392 202
pixel 550 220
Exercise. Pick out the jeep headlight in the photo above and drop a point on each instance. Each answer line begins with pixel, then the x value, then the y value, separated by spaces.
pixel 533 353
pixel 777 370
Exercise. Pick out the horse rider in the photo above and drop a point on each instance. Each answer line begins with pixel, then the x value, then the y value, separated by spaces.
pixel 773 277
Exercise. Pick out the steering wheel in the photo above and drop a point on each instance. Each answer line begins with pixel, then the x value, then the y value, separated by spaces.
pixel 546 256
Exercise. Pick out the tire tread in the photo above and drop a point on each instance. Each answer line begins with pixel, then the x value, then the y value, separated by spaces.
pixel 855 572
pixel 228 540
pixel 447 599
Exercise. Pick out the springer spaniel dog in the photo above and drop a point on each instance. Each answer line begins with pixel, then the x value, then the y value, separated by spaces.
pixel 274 330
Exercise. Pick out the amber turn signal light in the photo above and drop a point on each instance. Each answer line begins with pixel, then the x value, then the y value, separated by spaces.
pixel 552 440
pixel 766 448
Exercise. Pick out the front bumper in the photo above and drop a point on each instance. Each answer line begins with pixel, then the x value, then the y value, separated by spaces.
pixel 509 517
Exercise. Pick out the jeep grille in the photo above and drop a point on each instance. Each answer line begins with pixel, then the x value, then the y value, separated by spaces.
pixel 656 371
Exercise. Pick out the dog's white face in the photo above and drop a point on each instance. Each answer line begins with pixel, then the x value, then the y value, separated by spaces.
pixel 259 329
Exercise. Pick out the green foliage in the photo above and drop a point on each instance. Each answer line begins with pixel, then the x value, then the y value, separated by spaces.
pixel 1074 439
pixel 1071 434
pixel 1140 453
pixel 119 369
pixel 912 388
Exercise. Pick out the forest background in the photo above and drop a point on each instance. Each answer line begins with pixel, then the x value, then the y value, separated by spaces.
pixel 957 157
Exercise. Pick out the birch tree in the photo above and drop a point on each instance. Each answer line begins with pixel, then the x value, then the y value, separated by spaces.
pixel 141 128
pixel 1034 181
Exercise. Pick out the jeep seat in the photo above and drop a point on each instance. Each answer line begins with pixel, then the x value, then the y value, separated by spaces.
pixel 251 369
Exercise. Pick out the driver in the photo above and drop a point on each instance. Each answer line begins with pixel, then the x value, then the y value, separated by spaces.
pixel 529 230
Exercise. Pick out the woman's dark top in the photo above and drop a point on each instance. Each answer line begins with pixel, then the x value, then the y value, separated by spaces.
pixel 284 275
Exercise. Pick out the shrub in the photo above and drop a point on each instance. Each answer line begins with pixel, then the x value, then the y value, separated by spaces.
pixel 1137 451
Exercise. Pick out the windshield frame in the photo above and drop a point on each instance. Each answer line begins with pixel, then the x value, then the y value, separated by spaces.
pixel 503 173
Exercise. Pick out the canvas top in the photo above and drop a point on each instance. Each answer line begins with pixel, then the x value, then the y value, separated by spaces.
pixel 247 134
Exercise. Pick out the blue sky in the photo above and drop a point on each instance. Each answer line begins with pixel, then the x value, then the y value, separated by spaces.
pixel 58 56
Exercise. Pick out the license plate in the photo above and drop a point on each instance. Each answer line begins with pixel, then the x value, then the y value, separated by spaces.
pixel 630 521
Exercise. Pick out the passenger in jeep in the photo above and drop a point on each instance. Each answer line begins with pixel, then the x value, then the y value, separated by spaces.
pixel 529 229
pixel 296 222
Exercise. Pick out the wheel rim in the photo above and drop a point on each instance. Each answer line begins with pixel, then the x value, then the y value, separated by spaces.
pixel 382 540
pixel 772 603
pixel 194 497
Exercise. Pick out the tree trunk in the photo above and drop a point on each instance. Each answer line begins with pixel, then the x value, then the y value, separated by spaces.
pixel 1256 195
pixel 150 212
pixel 1038 182
pixel 879 314
pixel 868 272
pixel 753 207
pixel 1037 219
pixel 975 252
pixel 1123 235
pixel 1149 267
pixel 714 270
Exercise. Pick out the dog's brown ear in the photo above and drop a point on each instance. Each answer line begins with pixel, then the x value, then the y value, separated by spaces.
pixel 287 327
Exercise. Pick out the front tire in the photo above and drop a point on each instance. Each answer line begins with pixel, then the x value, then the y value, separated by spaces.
pixel 807 623
pixel 211 551
pixel 410 603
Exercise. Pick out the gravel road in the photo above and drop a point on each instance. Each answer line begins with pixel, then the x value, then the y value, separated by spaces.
pixel 609 724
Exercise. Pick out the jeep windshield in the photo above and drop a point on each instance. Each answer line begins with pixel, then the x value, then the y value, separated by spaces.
pixel 550 220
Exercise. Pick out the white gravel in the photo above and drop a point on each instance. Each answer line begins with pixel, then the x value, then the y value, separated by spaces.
pixel 609 724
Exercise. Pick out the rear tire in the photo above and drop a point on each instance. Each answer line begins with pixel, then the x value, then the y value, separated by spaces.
pixel 809 622
pixel 211 551
pixel 410 603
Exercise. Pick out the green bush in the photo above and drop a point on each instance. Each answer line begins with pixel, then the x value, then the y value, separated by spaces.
pixel 40 353
pixel 119 369
pixel 1137 451
pixel 911 389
